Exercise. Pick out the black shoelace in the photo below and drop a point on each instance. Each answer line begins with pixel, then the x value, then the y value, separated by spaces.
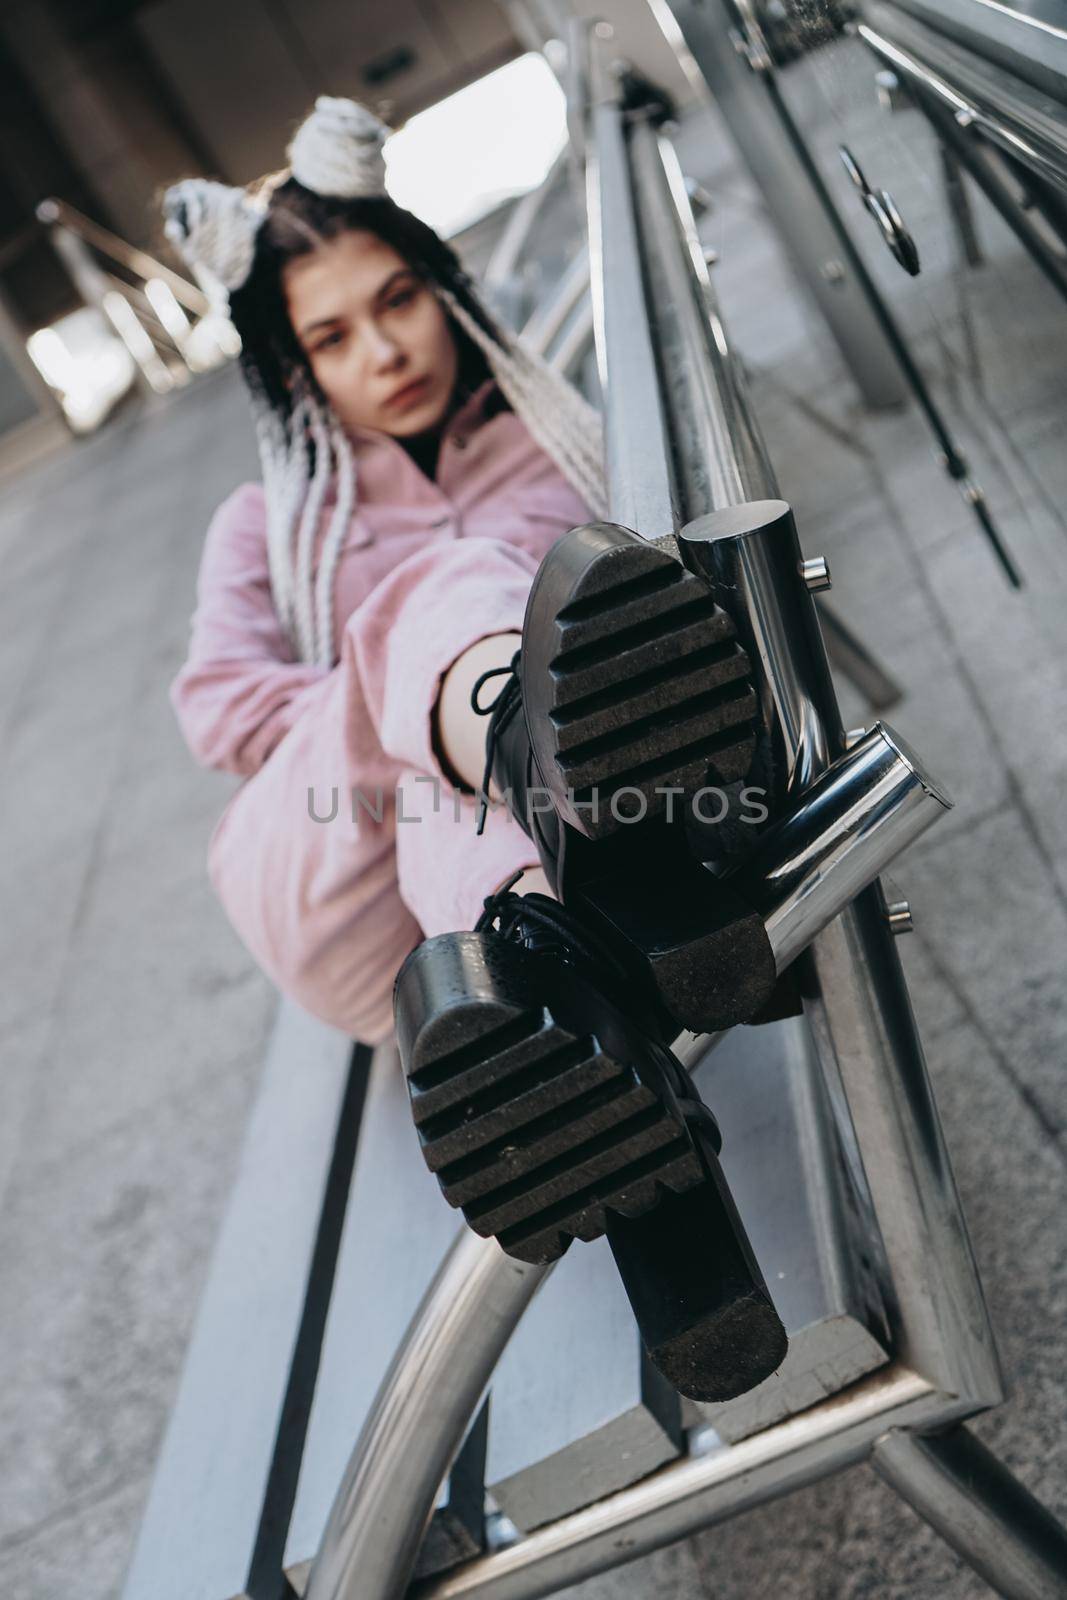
pixel 507 910
pixel 500 712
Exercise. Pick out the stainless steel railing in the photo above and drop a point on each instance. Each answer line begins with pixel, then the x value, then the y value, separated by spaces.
pixel 166 323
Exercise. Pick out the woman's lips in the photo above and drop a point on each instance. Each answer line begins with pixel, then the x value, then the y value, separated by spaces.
pixel 410 392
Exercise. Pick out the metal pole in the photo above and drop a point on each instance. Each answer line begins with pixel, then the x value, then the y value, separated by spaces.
pixel 418 1420
pixel 979 1508
pixel 640 487
pixel 58 213
pixel 649 503
pixel 849 825
pixel 508 251
pixel 719 457
pixel 959 124
pixel 97 289
pixel 860 1012
pixel 732 57
pixel 576 341
pixel 694 1493
pixel 987 98
pixel 800 205
pixel 547 322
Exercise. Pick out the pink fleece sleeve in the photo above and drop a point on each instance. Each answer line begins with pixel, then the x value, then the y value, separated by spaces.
pixel 307 857
pixel 240 690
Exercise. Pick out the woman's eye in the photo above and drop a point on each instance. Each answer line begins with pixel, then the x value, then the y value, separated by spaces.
pixel 403 297
pixel 329 339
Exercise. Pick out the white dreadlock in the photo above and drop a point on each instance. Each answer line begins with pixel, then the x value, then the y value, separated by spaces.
pixel 560 419
pixel 338 151
pixel 294 493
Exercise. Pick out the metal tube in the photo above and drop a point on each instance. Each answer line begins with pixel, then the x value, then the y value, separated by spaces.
pixel 704 38
pixel 97 289
pixel 641 492
pixel 977 94
pixel 548 320
pixel 857 1000
pixel 956 123
pixel 576 341
pixel 504 261
pixel 980 1509
pixel 422 1410
pixel 697 1492
pixel 750 556
pixel 719 457
pixel 854 820
pixel 54 212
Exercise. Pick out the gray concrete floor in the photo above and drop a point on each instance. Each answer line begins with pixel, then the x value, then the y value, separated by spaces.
pixel 132 1023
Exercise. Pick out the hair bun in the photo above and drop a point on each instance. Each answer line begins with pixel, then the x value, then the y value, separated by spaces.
pixel 337 150
pixel 214 226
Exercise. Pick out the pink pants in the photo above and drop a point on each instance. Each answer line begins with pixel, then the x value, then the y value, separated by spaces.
pixel 350 844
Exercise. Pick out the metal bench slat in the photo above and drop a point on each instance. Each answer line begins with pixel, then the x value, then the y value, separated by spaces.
pixel 396 1230
pixel 202 1521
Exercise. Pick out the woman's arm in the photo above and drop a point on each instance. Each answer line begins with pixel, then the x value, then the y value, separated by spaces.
pixel 240 690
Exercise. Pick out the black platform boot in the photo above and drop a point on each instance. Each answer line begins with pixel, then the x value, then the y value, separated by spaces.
pixel 629 696
pixel 549 1111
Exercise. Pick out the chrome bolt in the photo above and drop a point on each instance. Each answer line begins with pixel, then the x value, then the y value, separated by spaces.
pixel 898 916
pixel 816 574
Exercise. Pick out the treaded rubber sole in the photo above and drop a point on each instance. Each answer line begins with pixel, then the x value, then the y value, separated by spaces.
pixel 538 1105
pixel 633 680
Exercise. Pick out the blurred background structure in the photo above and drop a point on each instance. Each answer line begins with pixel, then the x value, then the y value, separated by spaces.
pixel 134 1026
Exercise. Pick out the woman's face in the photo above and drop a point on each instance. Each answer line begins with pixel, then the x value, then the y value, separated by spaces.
pixel 370 328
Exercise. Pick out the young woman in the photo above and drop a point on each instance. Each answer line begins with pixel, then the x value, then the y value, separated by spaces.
pixel 409 543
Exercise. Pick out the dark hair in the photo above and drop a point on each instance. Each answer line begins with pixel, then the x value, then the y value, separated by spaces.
pixel 297 221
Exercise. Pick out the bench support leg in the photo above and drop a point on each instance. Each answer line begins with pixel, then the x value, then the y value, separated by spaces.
pixel 417 1423
pixel 964 1492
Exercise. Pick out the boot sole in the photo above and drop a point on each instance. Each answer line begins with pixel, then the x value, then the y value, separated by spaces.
pixel 538 1106
pixel 635 680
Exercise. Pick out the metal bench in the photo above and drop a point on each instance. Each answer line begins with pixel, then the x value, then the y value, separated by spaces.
pixel 333 1233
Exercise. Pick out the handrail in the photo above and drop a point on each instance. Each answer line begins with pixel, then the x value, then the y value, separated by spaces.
pixel 979 95
pixel 169 326
pixel 57 213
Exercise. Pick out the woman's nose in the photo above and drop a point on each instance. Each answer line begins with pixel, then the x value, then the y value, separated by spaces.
pixel 383 352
